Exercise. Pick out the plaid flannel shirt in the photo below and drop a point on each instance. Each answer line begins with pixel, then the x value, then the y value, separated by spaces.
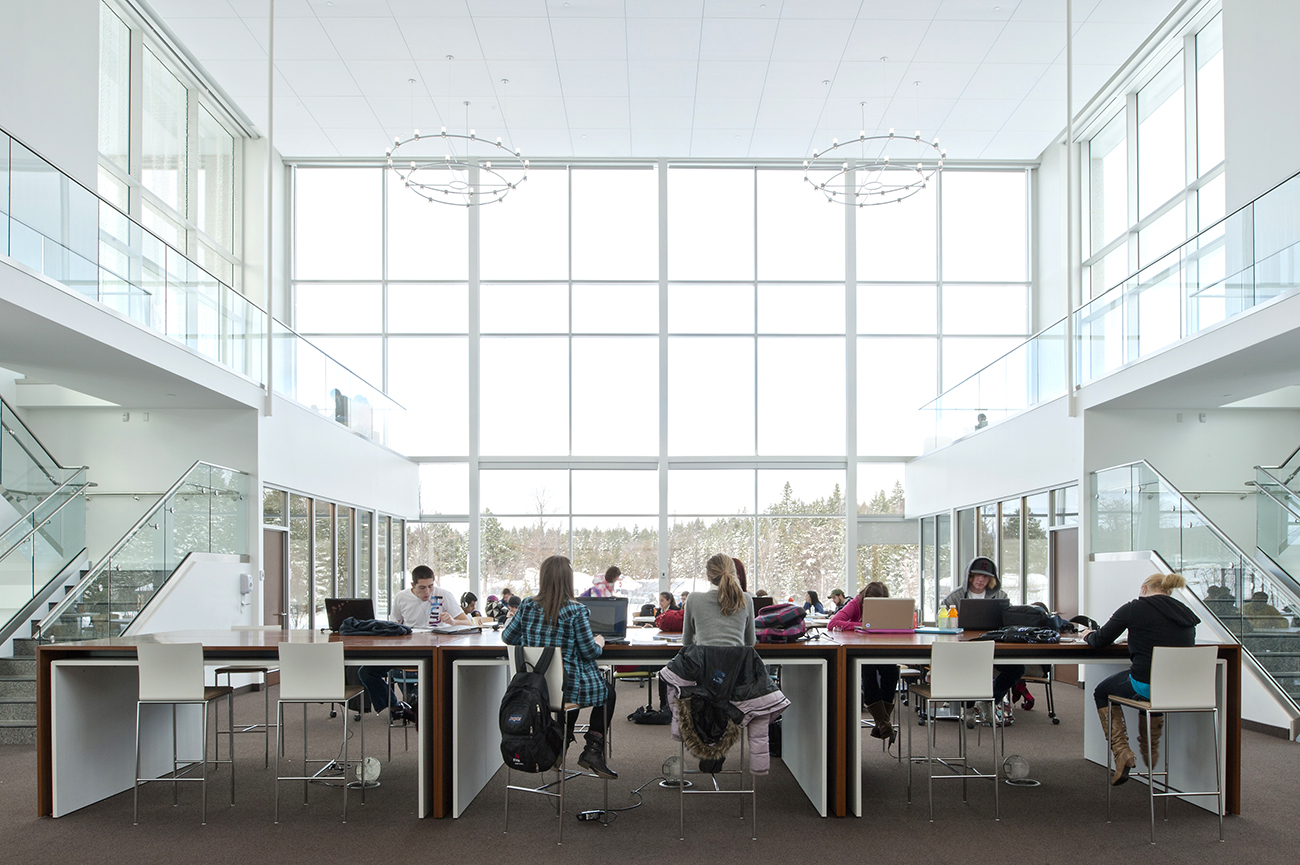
pixel 583 683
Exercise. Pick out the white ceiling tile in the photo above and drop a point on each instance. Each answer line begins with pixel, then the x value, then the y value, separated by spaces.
pixel 799 79
pixel 847 114
pixel 218 38
pixel 655 142
pixel 920 10
pixel 429 8
pixel 595 112
pixel 1105 42
pixel 976 10
pixel 958 41
pixel 305 142
pixel 536 111
pixel 824 9
pixel 407 114
pixel 664 112
pixel 1087 80
pixel 1004 80
pixel 435 38
pixel 907 116
pixel 366 38
pixel 664 8
pixel 372 141
pixel 895 39
pixel 803 39
pixel 1149 12
pixel 542 142
pixel 965 143
pixel 341 112
pixel 256 8
pixel 507 8
pixel 781 144
pixel 663 38
pixel 868 80
pixel 602 142
pixel 589 39
pixel 1017 145
pixel 1037 115
pixel 319 77
pixel 593 77
pixel 194 8
pixel 982 114
pixel 290 113
pixel 937 80
pixel 1053 11
pixel 585 8
pixel 245 77
pixel 661 78
pixel 525 77
pixel 348 8
pixel 717 113
pixel 515 38
pixel 386 77
pixel 463 77
pixel 729 78
pixel 741 9
pixel 737 39
pixel 777 113
pixel 1028 42
pixel 295 38
pixel 720 142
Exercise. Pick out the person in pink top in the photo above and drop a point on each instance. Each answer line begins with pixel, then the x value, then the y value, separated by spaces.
pixel 879 681
pixel 603 587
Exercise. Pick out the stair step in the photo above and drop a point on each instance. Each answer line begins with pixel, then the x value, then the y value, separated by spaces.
pixel 17 687
pixel 18 710
pixel 17 732
pixel 16 666
pixel 25 647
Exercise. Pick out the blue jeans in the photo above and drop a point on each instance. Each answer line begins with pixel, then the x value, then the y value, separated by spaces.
pixel 374 680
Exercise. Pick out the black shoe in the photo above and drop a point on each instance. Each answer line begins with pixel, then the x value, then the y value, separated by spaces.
pixel 400 711
pixel 593 758
pixel 712 767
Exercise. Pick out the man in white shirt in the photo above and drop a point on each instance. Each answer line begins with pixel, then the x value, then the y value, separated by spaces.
pixel 421 606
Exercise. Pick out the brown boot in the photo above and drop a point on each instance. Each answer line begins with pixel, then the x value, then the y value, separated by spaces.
pixel 1157 728
pixel 884 727
pixel 1117 735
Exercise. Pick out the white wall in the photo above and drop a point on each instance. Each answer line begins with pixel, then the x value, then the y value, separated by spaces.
pixel 254 227
pixel 1049 237
pixel 49 63
pixel 1040 448
pixel 301 452
pixel 1260 68
pixel 203 595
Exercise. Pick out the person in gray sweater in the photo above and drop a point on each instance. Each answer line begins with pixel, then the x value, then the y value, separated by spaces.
pixel 723 615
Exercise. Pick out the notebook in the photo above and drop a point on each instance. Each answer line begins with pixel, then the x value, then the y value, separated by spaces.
pixel 608 618
pixel 981 614
pixel 338 609
pixel 888 615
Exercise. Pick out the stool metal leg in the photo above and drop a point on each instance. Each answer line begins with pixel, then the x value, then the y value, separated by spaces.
pixel 345 763
pixel 136 796
pixel 203 785
pixel 175 764
pixel 1218 781
pixel 1110 713
pixel 1151 779
pixel 230 741
pixel 929 764
pixel 279 749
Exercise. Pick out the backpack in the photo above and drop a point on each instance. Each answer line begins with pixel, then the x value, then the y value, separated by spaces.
pixel 1026 616
pixel 532 740
pixel 780 623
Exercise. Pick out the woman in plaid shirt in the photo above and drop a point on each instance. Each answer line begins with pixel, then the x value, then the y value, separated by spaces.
pixel 554 618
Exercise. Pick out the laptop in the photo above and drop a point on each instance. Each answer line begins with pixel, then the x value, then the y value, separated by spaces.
pixel 888 615
pixel 338 609
pixel 981 614
pixel 608 618
pixel 762 603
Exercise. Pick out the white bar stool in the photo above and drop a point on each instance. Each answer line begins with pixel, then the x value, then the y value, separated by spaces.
pixel 173 675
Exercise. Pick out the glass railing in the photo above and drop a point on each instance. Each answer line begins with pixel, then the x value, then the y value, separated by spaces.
pixel 57 227
pixel 28 474
pixel 1138 509
pixel 205 511
pixel 1277 520
pixel 1245 259
pixel 40 547
pixel 1031 373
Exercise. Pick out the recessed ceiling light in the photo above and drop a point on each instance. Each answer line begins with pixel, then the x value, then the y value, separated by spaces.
pixel 505 80
pixel 883 59
pixel 826 81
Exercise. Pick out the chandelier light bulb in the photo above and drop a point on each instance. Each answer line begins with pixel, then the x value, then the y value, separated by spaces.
pixel 891 132
pixel 471 133
pixel 417 135
pixel 444 132
pixel 835 141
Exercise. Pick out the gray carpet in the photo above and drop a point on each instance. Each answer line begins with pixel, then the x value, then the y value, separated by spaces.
pixel 1061 821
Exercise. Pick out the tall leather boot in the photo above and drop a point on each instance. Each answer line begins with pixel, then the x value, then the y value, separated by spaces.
pixel 1157 729
pixel 1117 735
pixel 593 757
pixel 884 727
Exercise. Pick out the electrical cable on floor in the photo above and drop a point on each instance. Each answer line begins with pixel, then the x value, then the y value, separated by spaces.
pixel 598 813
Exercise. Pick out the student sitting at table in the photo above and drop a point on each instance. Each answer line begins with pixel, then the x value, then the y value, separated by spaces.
pixel 723 615
pixel 553 618
pixel 666 603
pixel 838 599
pixel 982 582
pixel 879 681
pixel 811 604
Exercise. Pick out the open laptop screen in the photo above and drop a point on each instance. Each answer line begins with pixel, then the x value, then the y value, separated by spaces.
pixel 338 609
pixel 608 616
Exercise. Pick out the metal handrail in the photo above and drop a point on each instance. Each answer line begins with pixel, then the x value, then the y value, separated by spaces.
pixel 45 521
pixel 99 567
pixel 1281 504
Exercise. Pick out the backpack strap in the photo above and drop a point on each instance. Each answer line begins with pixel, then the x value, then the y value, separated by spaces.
pixel 540 666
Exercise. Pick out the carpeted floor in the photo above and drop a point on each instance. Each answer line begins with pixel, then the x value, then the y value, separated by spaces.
pixel 1061 821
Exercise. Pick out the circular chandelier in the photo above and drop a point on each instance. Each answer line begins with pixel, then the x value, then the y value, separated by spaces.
pixel 881 178
pixel 464 179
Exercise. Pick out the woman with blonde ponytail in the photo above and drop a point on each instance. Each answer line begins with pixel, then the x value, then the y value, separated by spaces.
pixel 723 615
pixel 1153 619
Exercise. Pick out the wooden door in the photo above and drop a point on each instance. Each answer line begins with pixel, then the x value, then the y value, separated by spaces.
pixel 1065 586
pixel 275 565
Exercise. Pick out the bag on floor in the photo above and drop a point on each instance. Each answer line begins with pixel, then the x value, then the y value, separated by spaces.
pixel 648 715
pixel 531 738
pixel 780 623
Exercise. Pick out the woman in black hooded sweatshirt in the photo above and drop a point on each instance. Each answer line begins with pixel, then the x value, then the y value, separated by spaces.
pixel 1153 619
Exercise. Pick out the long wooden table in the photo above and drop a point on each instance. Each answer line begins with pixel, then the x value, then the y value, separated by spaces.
pixel 833 658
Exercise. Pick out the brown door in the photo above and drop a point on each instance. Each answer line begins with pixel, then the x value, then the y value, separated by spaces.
pixel 1065 586
pixel 275 565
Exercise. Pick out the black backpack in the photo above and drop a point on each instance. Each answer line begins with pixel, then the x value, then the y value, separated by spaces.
pixel 531 738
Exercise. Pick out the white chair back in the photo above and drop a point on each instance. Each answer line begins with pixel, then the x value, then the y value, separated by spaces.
pixel 311 672
pixel 170 672
pixel 961 671
pixel 1183 678
pixel 554 673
